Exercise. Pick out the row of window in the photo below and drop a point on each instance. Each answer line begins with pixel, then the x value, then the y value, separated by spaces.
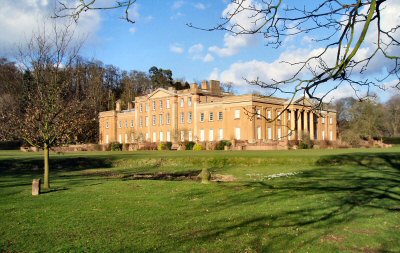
pixel 167 104
pixel 202 118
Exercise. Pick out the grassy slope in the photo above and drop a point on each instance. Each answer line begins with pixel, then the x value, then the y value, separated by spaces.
pixel 340 200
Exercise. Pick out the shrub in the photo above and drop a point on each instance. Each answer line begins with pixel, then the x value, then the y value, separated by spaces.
pixel 189 145
pixel 391 140
pixel 116 146
pixel 161 146
pixel 221 144
pixel 9 145
pixel 197 147
pixel 168 145
pixel 305 142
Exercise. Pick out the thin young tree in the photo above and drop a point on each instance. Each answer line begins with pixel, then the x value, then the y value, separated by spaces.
pixel 52 113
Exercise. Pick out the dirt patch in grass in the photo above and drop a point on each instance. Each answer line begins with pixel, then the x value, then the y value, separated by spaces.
pixel 333 238
pixel 179 176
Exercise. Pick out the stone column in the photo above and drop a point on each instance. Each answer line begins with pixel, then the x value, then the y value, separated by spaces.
pixel 299 130
pixel 253 125
pixel 292 124
pixel 284 125
pixel 311 125
pixel 305 121
pixel 263 124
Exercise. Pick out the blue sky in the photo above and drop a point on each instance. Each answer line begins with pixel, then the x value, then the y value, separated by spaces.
pixel 161 38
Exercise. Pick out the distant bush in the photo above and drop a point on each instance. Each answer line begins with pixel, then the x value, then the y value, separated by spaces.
pixel 116 146
pixel 197 147
pixel 168 145
pixel 221 144
pixel 391 140
pixel 161 146
pixel 306 141
pixel 189 145
pixel 8 145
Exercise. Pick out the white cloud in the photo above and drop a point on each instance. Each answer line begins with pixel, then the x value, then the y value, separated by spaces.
pixel 195 49
pixel 200 6
pixel 196 53
pixel 176 48
pixel 177 5
pixel 132 29
pixel 208 58
pixel 247 20
pixel 18 19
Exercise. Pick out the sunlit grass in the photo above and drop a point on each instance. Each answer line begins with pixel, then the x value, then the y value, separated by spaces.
pixel 326 201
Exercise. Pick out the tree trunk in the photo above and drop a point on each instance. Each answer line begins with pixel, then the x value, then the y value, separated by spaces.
pixel 46 183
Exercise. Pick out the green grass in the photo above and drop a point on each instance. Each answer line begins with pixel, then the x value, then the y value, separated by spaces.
pixel 335 201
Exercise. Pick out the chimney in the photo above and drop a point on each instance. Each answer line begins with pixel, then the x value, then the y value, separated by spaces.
pixel 204 85
pixel 194 87
pixel 118 105
pixel 215 88
pixel 130 106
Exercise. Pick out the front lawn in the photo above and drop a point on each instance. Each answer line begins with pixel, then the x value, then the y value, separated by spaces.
pixel 280 201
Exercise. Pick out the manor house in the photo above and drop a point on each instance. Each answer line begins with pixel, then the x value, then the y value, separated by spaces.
pixel 206 113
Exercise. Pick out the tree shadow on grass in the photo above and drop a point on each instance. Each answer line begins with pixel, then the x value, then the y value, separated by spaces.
pixel 16 172
pixel 313 204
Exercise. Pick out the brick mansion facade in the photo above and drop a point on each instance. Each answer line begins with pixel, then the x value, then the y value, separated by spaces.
pixel 205 113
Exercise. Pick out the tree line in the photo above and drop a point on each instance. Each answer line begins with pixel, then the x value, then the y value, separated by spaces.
pixel 91 84
pixel 367 119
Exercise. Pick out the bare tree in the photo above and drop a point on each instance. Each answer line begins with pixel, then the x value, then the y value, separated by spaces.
pixel 341 29
pixel 52 114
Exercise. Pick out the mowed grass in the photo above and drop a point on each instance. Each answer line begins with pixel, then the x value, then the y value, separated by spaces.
pixel 328 201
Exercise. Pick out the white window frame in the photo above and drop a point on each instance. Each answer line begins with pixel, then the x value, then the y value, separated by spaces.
pixel 269 114
pixel 269 133
pixel 154 105
pixel 182 117
pixel 154 120
pixel 160 119
pixel 202 117
pixel 147 107
pixel 182 135
pixel 259 135
pixel 146 121
pixel 220 115
pixel 154 137
pixel 168 104
pixel 211 116
pixel 237 133
pixel 182 102
pixel 132 123
pixel 140 107
pixel 258 113
pixel 237 114
pixel 161 104
pixel 190 136
pixel 189 117
pixel 140 122
pixel 189 101
pixel 161 136
pixel 202 135
pixel 220 134
pixel 168 119
pixel 168 136
pixel 107 124
pixel 211 135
